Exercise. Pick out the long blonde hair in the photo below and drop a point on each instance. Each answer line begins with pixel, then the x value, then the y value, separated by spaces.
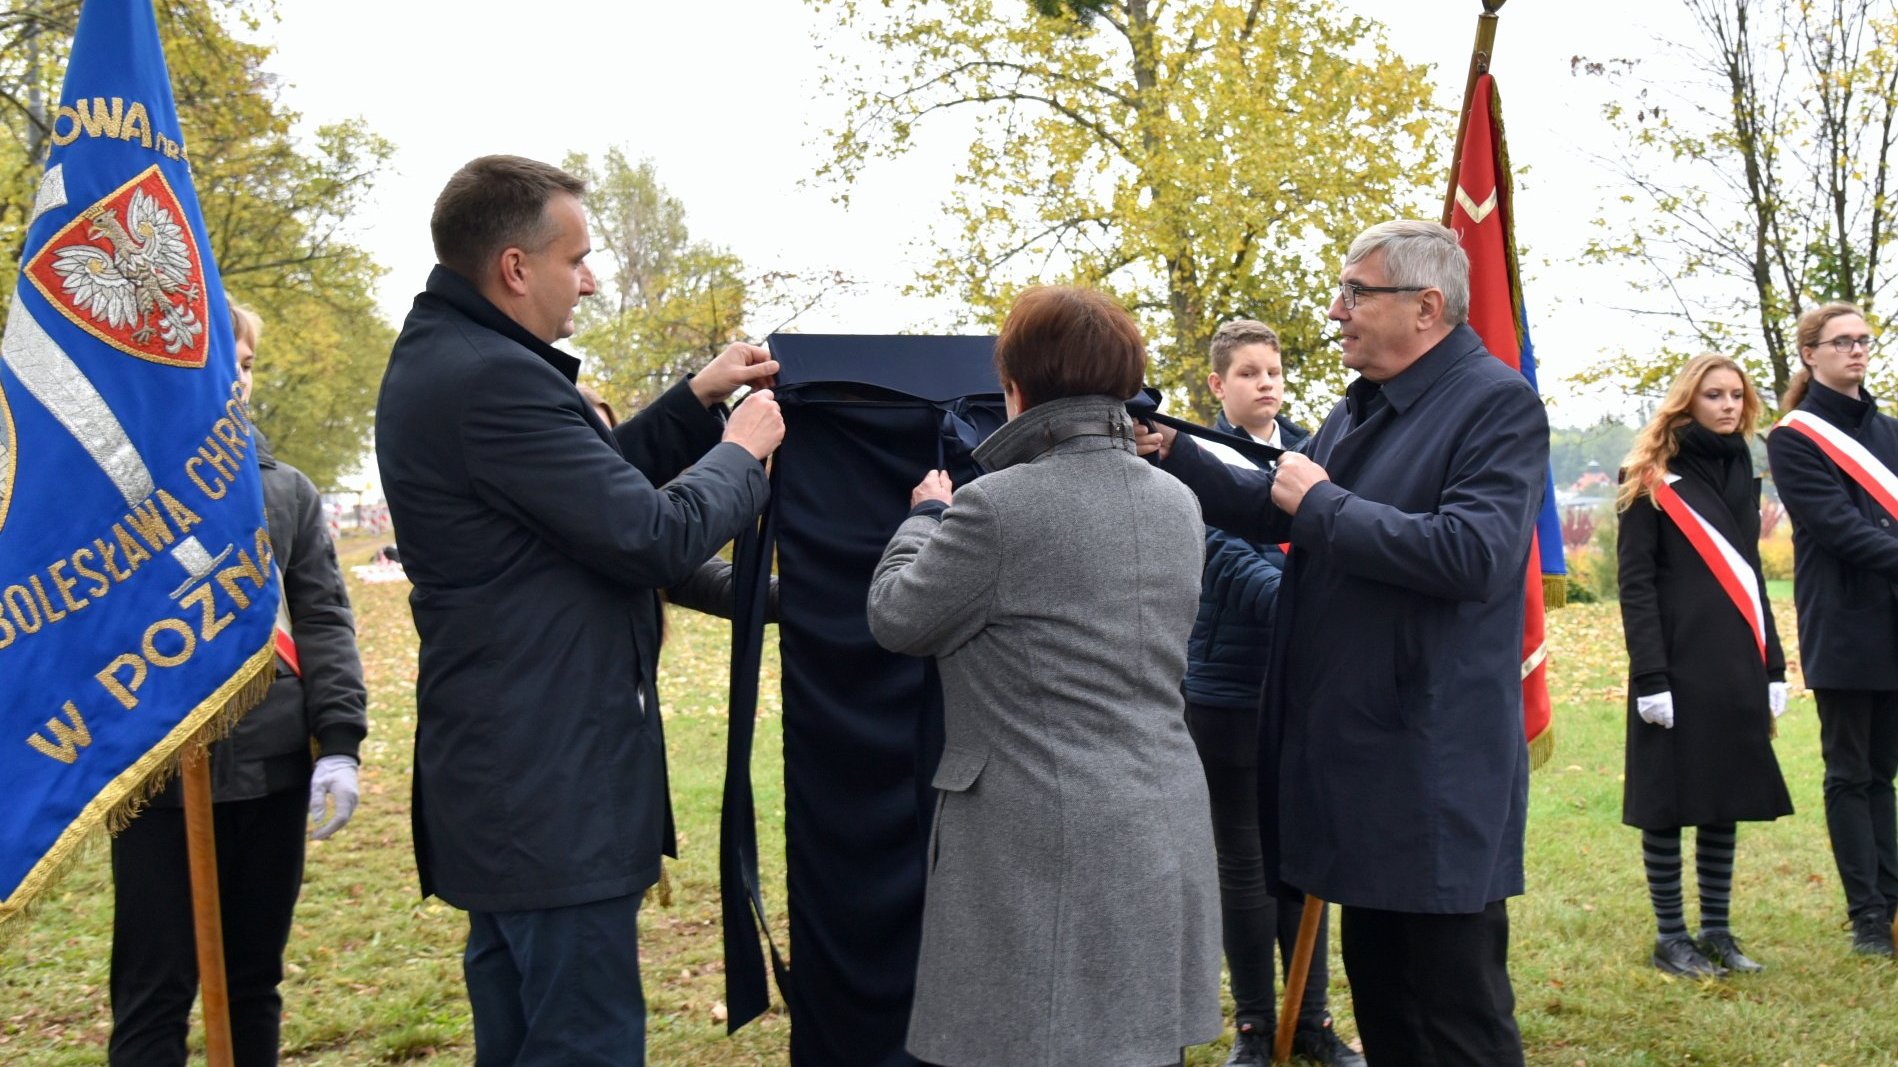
pixel 1806 335
pixel 1655 444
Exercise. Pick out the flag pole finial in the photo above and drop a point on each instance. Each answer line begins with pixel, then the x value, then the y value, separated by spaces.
pixel 1479 65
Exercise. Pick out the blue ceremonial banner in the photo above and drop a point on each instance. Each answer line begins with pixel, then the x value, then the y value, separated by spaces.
pixel 1548 520
pixel 137 593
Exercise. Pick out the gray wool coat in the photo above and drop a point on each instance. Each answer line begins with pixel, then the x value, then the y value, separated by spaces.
pixel 1072 911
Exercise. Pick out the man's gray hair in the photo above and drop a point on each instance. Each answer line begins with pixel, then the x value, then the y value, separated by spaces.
pixel 1420 253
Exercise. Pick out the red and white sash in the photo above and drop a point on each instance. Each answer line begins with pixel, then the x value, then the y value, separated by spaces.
pixel 1729 567
pixel 280 638
pixel 1853 458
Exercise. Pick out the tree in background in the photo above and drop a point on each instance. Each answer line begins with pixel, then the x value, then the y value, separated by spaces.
pixel 276 206
pixel 668 303
pixel 1202 160
pixel 1763 187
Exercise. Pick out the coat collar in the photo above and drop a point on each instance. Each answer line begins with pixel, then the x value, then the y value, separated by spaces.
pixel 1837 408
pixel 461 295
pixel 1415 380
pixel 1043 427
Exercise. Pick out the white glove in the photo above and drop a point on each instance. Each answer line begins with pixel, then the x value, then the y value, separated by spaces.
pixel 1657 709
pixel 1776 698
pixel 333 779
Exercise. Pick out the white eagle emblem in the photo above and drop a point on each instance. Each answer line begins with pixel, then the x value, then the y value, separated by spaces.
pixel 136 282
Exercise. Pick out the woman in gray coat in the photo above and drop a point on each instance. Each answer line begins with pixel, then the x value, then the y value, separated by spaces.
pixel 1072 912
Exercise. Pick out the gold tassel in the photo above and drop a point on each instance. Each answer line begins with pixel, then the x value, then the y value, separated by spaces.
pixel 1554 591
pixel 1542 747
pixel 114 808
pixel 661 891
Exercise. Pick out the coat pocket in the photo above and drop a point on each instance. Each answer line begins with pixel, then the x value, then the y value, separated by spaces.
pixel 959 769
pixel 955 774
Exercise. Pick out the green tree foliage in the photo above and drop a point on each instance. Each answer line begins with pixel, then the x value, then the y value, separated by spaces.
pixel 276 206
pixel 1203 160
pixel 1761 187
pixel 1572 449
pixel 668 303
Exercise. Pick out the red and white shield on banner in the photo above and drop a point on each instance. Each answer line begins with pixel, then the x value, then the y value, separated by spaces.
pixel 127 271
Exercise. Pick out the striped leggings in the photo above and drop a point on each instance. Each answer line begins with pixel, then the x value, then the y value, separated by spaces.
pixel 1713 868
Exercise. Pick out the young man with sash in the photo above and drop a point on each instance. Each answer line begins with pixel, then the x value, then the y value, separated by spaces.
pixel 1706 677
pixel 1833 457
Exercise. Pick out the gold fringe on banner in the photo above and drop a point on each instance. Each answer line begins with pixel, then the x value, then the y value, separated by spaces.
pixel 1554 591
pixel 125 796
pixel 1542 747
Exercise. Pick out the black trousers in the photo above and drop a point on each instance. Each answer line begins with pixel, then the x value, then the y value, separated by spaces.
pixel 1432 990
pixel 154 954
pixel 1252 919
pixel 1858 733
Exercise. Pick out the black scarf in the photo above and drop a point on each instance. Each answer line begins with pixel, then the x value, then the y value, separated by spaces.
pixel 1723 462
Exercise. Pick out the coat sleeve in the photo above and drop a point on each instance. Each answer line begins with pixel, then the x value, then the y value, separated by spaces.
pixel 1637 546
pixel 335 703
pixel 1247 576
pixel 712 590
pixel 1816 494
pixel 670 434
pixel 533 454
pixel 934 588
pixel 1470 546
pixel 1236 500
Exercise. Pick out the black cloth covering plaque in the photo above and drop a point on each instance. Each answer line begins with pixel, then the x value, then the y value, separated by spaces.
pixel 865 418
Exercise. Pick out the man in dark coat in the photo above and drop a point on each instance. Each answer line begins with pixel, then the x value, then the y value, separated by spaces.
pixel 536 539
pixel 1845 584
pixel 1393 707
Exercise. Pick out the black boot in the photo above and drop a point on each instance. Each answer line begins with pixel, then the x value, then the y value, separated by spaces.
pixel 1320 1044
pixel 1871 934
pixel 1720 947
pixel 1677 955
pixel 1250 1045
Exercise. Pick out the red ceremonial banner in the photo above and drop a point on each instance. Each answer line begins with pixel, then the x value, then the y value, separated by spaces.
pixel 1480 214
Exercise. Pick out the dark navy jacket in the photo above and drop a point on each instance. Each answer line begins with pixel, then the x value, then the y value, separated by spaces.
pixel 1393 702
pixel 536 539
pixel 1225 662
pixel 1845 548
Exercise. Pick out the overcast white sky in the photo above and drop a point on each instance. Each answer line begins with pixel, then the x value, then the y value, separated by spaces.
pixel 723 97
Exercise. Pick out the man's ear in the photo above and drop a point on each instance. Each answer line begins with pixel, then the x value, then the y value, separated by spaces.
pixel 511 270
pixel 1429 310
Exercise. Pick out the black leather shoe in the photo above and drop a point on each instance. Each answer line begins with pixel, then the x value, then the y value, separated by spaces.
pixel 1320 1044
pixel 1679 956
pixel 1871 934
pixel 1250 1045
pixel 1720 947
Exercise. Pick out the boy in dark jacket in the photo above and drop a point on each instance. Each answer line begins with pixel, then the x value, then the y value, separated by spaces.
pixel 293 753
pixel 1225 670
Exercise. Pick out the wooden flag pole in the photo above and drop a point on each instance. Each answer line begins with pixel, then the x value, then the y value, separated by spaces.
pixel 1479 65
pixel 1308 921
pixel 201 851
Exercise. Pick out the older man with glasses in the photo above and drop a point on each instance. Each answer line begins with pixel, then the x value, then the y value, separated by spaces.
pixel 1393 699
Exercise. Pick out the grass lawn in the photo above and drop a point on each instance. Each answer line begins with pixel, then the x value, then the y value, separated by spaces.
pixel 374 972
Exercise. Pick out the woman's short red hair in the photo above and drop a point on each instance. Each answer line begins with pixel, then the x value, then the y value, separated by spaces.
pixel 1060 341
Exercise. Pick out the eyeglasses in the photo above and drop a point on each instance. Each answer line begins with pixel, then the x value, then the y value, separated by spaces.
pixel 1348 292
pixel 1842 345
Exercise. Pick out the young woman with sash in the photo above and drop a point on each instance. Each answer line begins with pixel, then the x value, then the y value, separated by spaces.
pixel 1833 456
pixel 1706 675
